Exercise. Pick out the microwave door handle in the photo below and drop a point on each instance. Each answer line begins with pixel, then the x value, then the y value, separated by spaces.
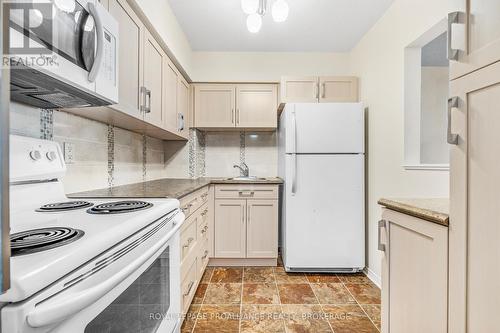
pixel 58 308
pixel 96 66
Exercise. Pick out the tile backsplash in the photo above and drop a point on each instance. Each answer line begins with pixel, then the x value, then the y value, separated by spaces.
pixel 106 155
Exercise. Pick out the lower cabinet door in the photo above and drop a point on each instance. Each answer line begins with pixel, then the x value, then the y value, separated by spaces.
pixel 414 275
pixel 230 226
pixel 262 228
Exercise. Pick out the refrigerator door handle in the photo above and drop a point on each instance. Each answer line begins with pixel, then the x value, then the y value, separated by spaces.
pixel 294 174
pixel 294 126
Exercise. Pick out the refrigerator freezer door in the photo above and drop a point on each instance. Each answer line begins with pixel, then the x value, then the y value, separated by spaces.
pixel 324 220
pixel 324 128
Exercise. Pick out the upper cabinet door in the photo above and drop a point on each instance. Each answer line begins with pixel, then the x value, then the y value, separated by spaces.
pixel 256 106
pixel 337 89
pixel 154 59
pixel 215 106
pixel 170 78
pixel 131 57
pixel 483 37
pixel 183 106
pixel 303 89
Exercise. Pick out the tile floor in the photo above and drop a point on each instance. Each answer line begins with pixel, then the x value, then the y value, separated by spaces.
pixel 269 300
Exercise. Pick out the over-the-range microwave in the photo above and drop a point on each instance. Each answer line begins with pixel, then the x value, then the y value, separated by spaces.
pixel 63 53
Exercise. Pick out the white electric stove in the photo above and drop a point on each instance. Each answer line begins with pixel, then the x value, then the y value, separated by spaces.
pixel 86 265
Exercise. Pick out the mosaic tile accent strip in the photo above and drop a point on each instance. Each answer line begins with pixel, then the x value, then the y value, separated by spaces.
pixel 46 124
pixel 144 156
pixel 192 153
pixel 111 155
pixel 242 147
pixel 201 152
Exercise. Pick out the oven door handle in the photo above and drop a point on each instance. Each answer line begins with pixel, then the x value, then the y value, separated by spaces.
pixel 57 308
pixel 96 66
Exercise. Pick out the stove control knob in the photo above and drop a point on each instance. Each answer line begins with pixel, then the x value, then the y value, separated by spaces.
pixel 51 156
pixel 35 155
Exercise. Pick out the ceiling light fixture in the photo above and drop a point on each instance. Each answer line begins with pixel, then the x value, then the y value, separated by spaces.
pixel 256 9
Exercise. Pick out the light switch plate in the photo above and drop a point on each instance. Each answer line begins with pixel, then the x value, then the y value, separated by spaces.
pixel 69 152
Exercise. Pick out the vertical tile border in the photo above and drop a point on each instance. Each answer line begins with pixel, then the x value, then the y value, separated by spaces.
pixel 46 124
pixel 111 155
pixel 192 153
pixel 201 153
pixel 144 157
pixel 242 147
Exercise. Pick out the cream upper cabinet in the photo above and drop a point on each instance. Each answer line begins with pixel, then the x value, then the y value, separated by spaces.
pixel 154 59
pixel 474 209
pixel 323 89
pixel 130 68
pixel 170 78
pixel 338 89
pixel 262 229
pixel 303 89
pixel 230 228
pixel 256 105
pixel 214 106
pixel 414 275
pixel 183 106
pixel 482 37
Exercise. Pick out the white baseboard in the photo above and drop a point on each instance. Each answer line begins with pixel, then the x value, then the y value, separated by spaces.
pixel 373 277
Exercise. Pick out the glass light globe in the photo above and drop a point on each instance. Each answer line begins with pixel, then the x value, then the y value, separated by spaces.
pixel 250 6
pixel 280 11
pixel 254 23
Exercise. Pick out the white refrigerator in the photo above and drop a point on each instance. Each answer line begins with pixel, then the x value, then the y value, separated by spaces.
pixel 322 162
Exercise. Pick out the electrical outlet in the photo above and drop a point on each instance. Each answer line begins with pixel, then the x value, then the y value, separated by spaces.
pixel 69 152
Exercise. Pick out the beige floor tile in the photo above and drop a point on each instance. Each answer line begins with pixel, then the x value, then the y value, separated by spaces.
pixel 282 278
pixel 322 278
pixel 218 318
pixel 364 293
pixel 260 293
pixel 332 293
pixel 200 293
pixel 223 293
pixel 373 312
pixel 258 274
pixel 227 275
pixel 348 319
pixel 305 319
pixel 261 319
pixel 296 294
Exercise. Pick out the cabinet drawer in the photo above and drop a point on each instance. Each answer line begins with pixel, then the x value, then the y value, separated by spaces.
pixel 189 285
pixel 246 192
pixel 189 235
pixel 203 257
pixel 193 201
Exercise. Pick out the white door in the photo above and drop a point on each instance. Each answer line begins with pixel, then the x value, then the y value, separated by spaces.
pixel 230 226
pixel 324 218
pixel 262 228
pixel 325 128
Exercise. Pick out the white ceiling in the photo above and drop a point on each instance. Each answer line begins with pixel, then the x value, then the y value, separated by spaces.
pixel 312 26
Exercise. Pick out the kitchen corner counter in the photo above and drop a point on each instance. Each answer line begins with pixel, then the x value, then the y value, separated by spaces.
pixel 164 188
pixel 433 210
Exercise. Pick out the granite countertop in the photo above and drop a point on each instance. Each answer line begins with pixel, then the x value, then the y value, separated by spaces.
pixel 164 188
pixel 435 210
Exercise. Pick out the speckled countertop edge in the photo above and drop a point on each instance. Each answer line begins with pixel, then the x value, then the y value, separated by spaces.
pixel 164 188
pixel 434 210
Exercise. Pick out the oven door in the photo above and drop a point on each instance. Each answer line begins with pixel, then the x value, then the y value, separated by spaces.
pixel 133 288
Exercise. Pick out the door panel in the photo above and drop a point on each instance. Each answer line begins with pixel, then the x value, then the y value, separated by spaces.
pixel 301 89
pixel 230 228
pixel 338 89
pixel 324 219
pixel 474 288
pixel 170 111
pixel 130 54
pixel 415 273
pixel 183 106
pixel 262 228
pixel 325 128
pixel 215 106
pixel 257 106
pixel 483 37
pixel 153 71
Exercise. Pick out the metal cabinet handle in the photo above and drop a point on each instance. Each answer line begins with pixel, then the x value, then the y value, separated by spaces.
pixel 205 254
pixel 232 116
pixel 191 284
pixel 451 138
pixel 237 116
pixel 323 90
pixel 180 117
pixel 453 18
pixel 316 90
pixel 148 98
pixel 246 194
pixel 381 224
pixel 143 99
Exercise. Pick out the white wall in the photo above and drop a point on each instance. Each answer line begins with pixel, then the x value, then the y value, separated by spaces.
pixel 264 66
pixel 378 60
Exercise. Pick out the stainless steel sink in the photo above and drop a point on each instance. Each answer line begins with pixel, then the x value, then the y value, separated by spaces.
pixel 249 178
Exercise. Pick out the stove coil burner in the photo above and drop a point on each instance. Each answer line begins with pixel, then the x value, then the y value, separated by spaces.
pixel 37 240
pixel 119 207
pixel 64 206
